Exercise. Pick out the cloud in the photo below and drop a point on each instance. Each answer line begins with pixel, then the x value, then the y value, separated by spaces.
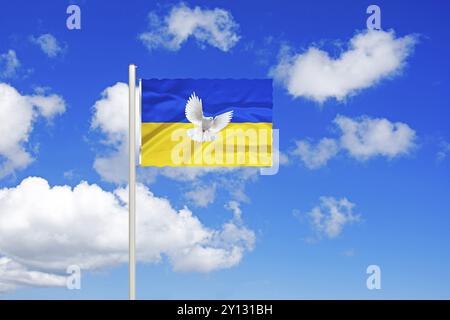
pixel 316 156
pixel 20 112
pixel 111 112
pixel 202 196
pixel 362 138
pixel 87 226
pixel 235 207
pixel 14 275
pixel 215 27
pixel 232 180
pixel 110 117
pixel 284 158
pixel 9 63
pixel 331 215
pixel 371 56
pixel 366 137
pixel 205 259
pixel 48 44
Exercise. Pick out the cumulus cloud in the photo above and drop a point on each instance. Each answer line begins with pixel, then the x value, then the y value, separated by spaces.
pixel 233 241
pixel 48 44
pixel 20 112
pixel 315 156
pixel 366 137
pixel 371 56
pixel 13 275
pixel 110 117
pixel 215 27
pixel 111 112
pixel 331 215
pixel 87 226
pixel 362 138
pixel 9 63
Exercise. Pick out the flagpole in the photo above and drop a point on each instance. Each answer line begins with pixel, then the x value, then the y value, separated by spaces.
pixel 132 182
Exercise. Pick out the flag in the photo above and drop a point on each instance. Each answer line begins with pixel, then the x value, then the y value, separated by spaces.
pixel 206 122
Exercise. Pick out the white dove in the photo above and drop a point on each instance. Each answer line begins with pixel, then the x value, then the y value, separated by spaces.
pixel 206 128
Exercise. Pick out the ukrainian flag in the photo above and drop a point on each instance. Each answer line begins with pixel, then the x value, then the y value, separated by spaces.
pixel 204 122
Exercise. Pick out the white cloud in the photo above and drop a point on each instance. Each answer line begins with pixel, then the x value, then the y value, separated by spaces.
pixel 87 226
pixel 236 208
pixel 284 158
pixel 9 63
pixel 113 166
pixel 371 57
pixel 331 215
pixel 111 112
pixel 19 113
pixel 316 156
pixel 48 44
pixel 362 138
pixel 47 105
pixel 111 118
pixel 233 241
pixel 366 137
pixel 214 27
pixel 232 180
pixel 202 196
pixel 14 275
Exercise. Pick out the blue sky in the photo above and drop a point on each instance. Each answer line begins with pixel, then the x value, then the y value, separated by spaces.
pixel 396 172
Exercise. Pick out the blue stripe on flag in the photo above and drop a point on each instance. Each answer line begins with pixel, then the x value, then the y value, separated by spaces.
pixel 164 100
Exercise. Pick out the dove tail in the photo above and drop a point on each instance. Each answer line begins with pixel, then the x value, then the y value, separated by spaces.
pixel 197 134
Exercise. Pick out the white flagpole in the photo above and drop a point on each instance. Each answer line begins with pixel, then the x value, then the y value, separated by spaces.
pixel 132 181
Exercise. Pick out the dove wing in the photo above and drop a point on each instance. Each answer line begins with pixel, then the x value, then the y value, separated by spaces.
pixel 194 110
pixel 221 121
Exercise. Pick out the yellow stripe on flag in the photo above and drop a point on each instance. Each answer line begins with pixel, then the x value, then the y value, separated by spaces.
pixel 239 144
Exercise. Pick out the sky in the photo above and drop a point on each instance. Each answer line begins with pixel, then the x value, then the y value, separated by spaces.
pixel 364 173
